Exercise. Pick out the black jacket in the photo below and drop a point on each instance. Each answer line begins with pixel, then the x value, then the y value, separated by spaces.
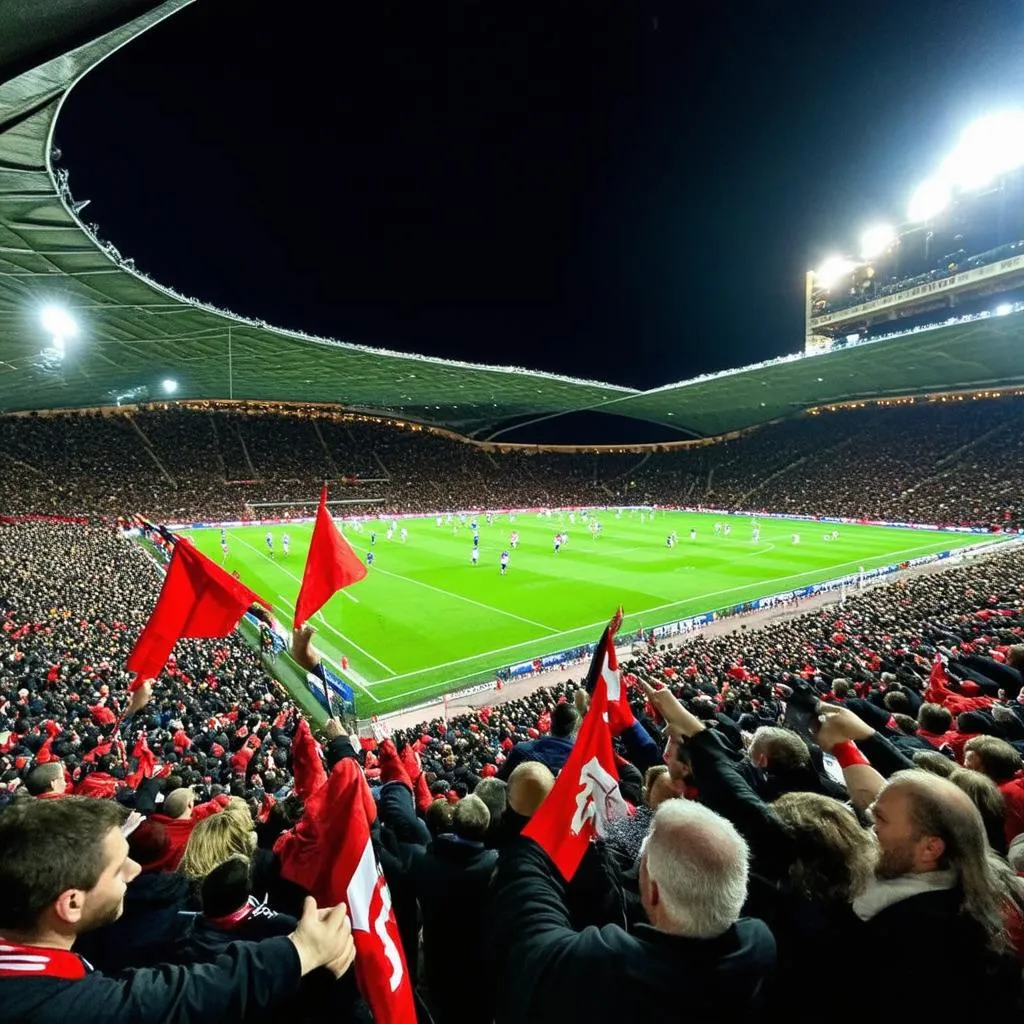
pixel 550 974
pixel 943 969
pixel 203 940
pixel 452 879
pixel 144 935
pixel 245 982
pixel 802 927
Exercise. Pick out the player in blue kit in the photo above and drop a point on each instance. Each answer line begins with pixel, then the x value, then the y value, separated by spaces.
pixel 270 543
pixel 504 562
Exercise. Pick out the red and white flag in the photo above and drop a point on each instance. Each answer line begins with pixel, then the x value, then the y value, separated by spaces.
pixel 330 854
pixel 604 666
pixel 585 797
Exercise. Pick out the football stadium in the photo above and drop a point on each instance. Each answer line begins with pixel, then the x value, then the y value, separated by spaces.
pixel 542 728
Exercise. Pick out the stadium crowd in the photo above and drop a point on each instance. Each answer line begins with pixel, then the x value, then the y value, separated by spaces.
pixel 935 462
pixel 748 852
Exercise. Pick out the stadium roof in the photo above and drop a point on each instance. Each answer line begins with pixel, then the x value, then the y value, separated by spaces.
pixel 134 332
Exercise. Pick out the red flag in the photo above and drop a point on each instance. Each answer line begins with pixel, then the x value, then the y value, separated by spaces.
pixel 330 854
pixel 605 666
pixel 307 768
pixel 198 599
pixel 146 763
pixel 330 565
pixel 585 796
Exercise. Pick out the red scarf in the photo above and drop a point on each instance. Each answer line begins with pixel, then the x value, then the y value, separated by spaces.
pixel 32 961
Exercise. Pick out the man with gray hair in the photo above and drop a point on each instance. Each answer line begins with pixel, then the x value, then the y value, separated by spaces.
pixel 451 878
pixel 697 959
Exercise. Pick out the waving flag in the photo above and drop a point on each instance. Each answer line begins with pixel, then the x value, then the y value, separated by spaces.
pixel 585 797
pixel 604 666
pixel 330 854
pixel 198 599
pixel 330 565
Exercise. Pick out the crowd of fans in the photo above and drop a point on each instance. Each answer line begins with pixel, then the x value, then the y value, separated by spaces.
pixel 842 783
pixel 944 462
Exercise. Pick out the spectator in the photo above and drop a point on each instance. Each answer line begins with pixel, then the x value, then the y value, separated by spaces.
pixel 552 751
pixel 936 875
pixel 180 817
pixel 452 878
pixel 213 841
pixel 47 781
pixel 64 870
pixel 627 835
pixel 999 761
pixel 494 793
pixel 697 950
pixel 528 785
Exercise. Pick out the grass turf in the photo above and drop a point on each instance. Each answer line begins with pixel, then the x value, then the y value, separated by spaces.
pixel 425 620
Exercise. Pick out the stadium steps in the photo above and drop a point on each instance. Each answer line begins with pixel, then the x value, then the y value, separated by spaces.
pixel 383 468
pixel 245 452
pixel 789 467
pixel 954 456
pixel 218 454
pixel 22 465
pixel 948 462
pixel 149 451
pixel 331 465
pixel 632 469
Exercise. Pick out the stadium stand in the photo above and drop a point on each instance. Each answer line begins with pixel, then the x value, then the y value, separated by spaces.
pixel 826 812
pixel 930 462
pixel 926 677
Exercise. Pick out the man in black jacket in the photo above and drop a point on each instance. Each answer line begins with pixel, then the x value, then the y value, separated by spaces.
pixel 64 869
pixel 696 960
pixel 452 877
pixel 936 876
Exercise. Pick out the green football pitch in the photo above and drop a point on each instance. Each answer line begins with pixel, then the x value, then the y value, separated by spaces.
pixel 425 620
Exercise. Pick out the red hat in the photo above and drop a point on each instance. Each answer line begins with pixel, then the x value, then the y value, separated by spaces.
pixel 488 771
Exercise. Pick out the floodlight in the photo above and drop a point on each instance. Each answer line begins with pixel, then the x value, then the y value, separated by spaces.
pixel 1004 309
pixel 929 200
pixel 170 386
pixel 58 322
pixel 989 147
pixel 875 240
pixel 833 270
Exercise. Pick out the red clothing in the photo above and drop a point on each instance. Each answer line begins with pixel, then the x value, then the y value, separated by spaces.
pixel 1013 794
pixel 178 831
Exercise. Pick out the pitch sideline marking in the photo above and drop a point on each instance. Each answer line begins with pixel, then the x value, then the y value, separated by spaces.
pixel 360 680
pixel 594 625
pixel 338 632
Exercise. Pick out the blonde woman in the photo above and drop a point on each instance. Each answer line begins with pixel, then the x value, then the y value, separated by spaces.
pixel 216 839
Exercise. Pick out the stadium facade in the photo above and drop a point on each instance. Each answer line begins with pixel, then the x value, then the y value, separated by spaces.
pixel 136 338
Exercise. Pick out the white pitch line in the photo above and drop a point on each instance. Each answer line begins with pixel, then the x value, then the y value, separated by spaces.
pixel 468 600
pixel 644 612
pixel 337 632
pixel 360 680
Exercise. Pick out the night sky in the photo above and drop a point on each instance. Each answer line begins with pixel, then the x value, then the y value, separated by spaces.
pixel 618 190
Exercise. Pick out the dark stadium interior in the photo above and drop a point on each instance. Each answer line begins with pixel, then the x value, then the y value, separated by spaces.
pixel 807 808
